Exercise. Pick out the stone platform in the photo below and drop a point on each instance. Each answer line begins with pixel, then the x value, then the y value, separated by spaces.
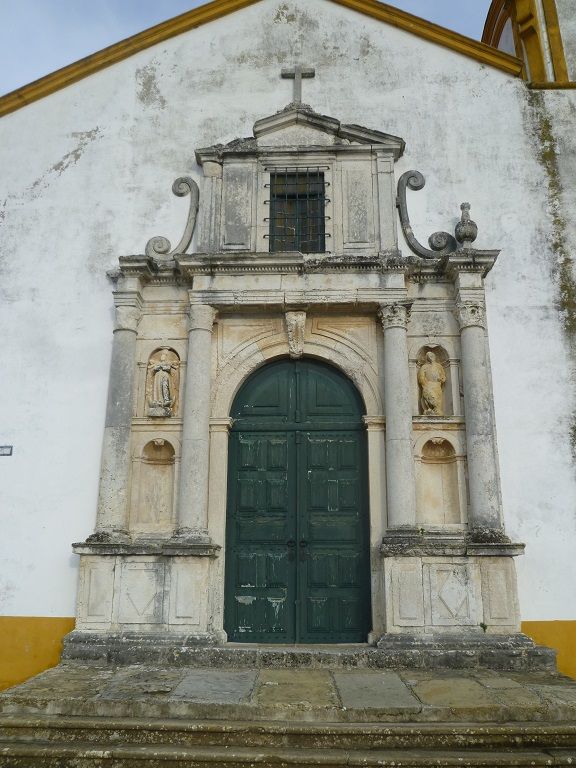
pixel 94 714
pixel 489 651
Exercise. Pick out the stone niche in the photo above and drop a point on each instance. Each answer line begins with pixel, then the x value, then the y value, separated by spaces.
pixel 438 500
pixel 152 499
pixel 162 384
pixel 435 389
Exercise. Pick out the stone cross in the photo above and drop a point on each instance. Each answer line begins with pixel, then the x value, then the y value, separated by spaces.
pixel 297 74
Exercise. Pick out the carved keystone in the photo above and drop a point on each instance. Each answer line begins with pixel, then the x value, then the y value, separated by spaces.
pixel 295 326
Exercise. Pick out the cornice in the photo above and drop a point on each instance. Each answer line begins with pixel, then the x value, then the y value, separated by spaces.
pixel 283 263
pixel 217 154
pixel 217 9
pixel 469 260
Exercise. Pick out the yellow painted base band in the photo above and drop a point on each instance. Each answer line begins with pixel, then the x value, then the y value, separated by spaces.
pixel 560 635
pixel 29 645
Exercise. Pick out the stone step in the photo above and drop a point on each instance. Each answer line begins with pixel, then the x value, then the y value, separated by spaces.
pixel 497 652
pixel 121 756
pixel 107 733
pixel 80 690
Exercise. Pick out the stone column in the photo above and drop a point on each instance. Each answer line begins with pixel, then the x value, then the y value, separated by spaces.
pixel 193 492
pixel 483 481
pixel 112 514
pixel 400 478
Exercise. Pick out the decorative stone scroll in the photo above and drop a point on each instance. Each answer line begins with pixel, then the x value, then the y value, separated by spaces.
pixel 162 384
pixel 441 243
pixel 295 326
pixel 160 246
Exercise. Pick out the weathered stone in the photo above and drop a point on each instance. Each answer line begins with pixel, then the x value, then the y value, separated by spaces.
pixel 313 688
pixel 378 690
pixel 218 686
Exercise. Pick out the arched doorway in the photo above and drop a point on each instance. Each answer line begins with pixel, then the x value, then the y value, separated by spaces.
pixel 297 543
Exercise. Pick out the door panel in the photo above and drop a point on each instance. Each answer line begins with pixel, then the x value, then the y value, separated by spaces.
pixel 260 588
pixel 297 558
pixel 333 577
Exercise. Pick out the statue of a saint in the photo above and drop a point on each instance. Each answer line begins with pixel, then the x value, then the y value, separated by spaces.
pixel 163 392
pixel 431 378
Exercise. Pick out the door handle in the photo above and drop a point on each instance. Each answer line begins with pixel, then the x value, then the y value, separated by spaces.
pixel 291 544
pixel 303 543
pixel 303 550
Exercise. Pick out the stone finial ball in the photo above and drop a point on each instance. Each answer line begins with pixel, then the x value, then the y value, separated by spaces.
pixel 466 229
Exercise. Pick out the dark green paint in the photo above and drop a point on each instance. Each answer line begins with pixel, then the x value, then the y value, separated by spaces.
pixel 297 564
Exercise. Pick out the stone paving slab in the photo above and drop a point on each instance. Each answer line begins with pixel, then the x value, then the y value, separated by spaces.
pixel 370 690
pixel 92 690
pixel 309 689
pixel 211 685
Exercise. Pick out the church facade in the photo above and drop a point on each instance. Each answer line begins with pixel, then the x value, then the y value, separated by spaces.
pixel 321 425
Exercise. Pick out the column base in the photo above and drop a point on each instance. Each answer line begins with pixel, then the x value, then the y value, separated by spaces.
pixel 192 536
pixel 109 536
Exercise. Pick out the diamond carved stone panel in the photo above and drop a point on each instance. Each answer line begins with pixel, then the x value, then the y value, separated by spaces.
pixel 141 593
pixel 454 594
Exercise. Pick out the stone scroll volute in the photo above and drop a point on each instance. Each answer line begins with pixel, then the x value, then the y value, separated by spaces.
pixel 163 384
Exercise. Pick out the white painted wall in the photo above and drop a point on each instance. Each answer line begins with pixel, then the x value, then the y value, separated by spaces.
pixel 567 20
pixel 86 177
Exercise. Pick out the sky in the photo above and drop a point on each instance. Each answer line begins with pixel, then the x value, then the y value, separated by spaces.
pixel 40 36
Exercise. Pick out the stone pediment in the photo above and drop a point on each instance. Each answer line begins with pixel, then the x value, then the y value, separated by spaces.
pixel 298 125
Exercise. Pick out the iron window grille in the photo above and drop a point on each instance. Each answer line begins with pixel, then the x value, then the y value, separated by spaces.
pixel 297 210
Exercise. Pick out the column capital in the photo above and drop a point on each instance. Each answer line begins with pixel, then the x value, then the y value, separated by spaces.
pixel 127 318
pixel 201 317
pixel 470 314
pixel 374 423
pixel 221 425
pixel 395 315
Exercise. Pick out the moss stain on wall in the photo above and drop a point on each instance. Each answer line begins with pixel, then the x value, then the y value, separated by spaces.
pixel 540 124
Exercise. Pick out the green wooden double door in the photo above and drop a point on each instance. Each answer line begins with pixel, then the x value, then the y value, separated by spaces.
pixel 297 553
